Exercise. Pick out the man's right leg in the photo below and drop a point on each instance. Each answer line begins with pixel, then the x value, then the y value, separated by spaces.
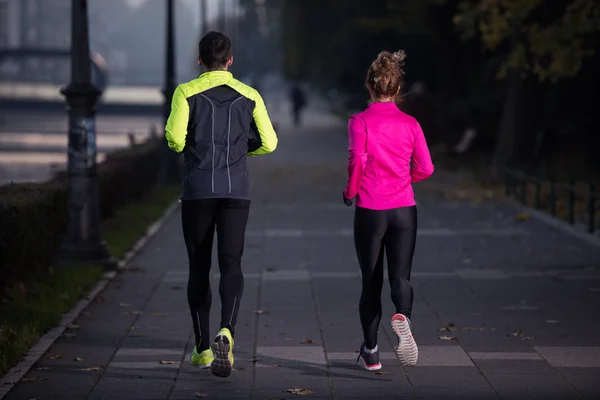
pixel 198 219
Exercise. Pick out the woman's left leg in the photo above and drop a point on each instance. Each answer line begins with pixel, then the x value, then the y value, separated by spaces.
pixel 369 229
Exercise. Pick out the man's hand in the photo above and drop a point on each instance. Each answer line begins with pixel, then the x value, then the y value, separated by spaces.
pixel 347 202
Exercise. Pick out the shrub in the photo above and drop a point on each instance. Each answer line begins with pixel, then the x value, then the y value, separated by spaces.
pixel 33 216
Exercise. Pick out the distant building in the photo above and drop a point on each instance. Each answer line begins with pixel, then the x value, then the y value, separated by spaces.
pixel 9 23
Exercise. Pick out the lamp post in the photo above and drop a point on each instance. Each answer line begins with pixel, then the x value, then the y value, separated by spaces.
pixel 82 242
pixel 170 168
pixel 204 17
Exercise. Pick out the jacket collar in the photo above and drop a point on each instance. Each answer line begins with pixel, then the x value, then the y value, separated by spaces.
pixel 217 74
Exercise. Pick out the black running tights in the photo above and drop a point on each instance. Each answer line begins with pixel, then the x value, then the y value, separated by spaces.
pixel 375 231
pixel 199 219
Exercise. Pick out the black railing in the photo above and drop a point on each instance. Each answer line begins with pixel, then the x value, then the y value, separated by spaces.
pixel 519 185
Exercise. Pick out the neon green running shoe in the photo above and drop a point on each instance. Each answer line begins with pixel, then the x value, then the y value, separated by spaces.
pixel 222 348
pixel 204 359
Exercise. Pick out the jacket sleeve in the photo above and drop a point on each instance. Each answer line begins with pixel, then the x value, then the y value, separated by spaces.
pixel 263 137
pixel 422 166
pixel 357 155
pixel 176 129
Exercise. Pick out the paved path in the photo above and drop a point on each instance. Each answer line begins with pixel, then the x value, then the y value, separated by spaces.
pixel 521 301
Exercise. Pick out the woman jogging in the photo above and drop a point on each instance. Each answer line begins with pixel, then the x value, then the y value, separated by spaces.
pixel 387 153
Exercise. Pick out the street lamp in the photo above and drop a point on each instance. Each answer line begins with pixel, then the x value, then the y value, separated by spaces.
pixel 170 167
pixel 82 242
pixel 204 12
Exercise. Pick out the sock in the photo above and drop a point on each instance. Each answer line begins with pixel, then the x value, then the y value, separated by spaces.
pixel 201 347
pixel 371 351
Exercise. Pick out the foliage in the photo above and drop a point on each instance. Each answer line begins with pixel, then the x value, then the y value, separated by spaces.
pixel 547 39
pixel 33 217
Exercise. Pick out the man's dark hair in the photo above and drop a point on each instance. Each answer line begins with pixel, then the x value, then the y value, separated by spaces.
pixel 214 50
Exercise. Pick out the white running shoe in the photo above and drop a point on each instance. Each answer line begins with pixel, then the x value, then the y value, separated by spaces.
pixel 407 350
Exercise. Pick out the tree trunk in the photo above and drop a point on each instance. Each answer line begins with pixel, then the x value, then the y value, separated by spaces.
pixel 505 146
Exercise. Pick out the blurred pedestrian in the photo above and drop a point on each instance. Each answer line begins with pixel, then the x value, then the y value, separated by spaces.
pixel 387 153
pixel 298 102
pixel 216 121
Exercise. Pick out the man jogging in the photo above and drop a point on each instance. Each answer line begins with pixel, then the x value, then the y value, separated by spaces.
pixel 216 121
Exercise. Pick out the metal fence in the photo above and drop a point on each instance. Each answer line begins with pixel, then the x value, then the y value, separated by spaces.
pixel 530 191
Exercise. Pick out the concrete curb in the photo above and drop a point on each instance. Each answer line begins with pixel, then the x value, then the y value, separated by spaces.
pixel 560 225
pixel 14 375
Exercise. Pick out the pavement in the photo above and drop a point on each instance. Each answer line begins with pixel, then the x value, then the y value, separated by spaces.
pixel 503 308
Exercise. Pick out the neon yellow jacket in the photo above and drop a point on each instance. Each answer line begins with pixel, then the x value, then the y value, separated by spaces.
pixel 217 121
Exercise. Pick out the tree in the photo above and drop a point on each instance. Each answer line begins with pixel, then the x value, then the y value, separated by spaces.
pixel 544 40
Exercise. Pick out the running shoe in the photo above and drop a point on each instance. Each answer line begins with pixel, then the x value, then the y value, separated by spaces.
pixel 222 348
pixel 369 359
pixel 407 350
pixel 202 359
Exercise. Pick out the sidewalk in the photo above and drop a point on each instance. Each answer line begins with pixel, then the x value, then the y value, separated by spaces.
pixel 520 300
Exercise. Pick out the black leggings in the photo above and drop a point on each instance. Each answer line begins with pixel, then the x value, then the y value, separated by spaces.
pixel 199 219
pixel 395 232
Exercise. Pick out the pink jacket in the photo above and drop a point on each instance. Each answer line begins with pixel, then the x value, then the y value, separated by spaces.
pixel 384 142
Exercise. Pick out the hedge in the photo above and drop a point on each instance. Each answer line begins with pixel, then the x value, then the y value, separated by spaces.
pixel 33 216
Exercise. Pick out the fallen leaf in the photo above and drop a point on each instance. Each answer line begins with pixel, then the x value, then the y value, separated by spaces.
pixel 200 395
pixel 92 369
pixel 100 299
pixel 448 338
pixel 166 362
pixel 259 312
pixel 307 341
pixel 519 333
pixel 124 305
pixel 56 357
pixel 160 314
pixel 33 379
pixel 240 369
pixel 524 216
pixel 69 335
pixel 80 358
pixel 299 392
pixel 133 313
pixel 453 328
pixel 382 373
pixel 73 326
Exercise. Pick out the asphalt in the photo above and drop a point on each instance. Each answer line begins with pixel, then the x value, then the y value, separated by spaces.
pixel 503 308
